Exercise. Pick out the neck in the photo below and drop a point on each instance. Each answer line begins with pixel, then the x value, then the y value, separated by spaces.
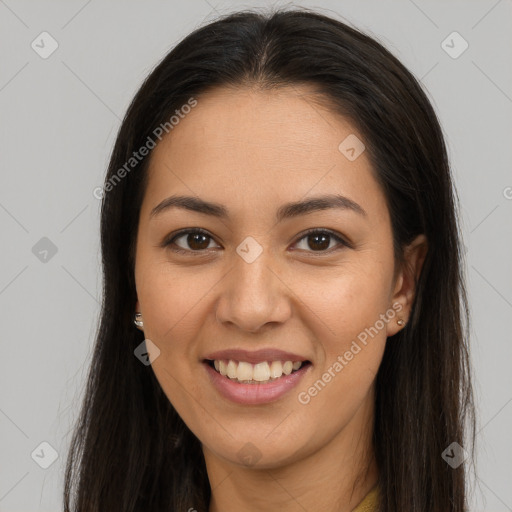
pixel 335 478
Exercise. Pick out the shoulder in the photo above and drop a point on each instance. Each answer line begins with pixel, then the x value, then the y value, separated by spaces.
pixel 370 501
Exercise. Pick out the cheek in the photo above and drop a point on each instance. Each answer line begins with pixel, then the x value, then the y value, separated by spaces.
pixel 174 303
pixel 186 394
pixel 351 305
pixel 345 300
pixel 342 393
pixel 174 311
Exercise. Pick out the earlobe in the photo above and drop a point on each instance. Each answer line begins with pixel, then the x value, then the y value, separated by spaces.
pixel 137 317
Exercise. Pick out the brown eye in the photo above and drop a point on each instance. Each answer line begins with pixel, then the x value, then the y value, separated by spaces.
pixel 197 241
pixel 190 241
pixel 320 241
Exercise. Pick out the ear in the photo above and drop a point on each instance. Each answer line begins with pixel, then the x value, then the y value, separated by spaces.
pixel 137 307
pixel 405 284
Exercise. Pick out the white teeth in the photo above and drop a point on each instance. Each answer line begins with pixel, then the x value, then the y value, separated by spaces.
pixel 231 370
pixel 244 371
pixel 287 367
pixel 276 369
pixel 253 373
pixel 261 372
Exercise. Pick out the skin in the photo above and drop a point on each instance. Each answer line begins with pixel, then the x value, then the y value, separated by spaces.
pixel 252 151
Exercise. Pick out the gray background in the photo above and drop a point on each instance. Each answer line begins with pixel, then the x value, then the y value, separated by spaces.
pixel 59 117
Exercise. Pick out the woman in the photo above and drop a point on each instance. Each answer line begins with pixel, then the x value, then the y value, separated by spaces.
pixel 279 223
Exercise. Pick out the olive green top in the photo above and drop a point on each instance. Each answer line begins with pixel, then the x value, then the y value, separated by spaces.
pixel 370 501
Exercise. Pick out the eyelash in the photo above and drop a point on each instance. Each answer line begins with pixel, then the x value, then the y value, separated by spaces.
pixel 168 243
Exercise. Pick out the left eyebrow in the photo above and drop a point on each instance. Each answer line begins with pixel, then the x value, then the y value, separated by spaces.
pixel 286 211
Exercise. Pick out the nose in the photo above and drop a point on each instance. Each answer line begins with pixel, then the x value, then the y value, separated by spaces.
pixel 253 296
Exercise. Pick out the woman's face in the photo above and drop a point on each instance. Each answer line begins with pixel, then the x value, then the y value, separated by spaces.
pixel 254 288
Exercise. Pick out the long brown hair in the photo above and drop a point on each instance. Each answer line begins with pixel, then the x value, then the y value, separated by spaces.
pixel 130 450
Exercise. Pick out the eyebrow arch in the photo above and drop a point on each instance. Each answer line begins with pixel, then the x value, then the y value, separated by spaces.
pixel 286 211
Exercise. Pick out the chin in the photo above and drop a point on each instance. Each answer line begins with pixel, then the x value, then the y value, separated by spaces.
pixel 257 452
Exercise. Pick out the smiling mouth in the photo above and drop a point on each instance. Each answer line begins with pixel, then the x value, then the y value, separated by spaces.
pixel 259 373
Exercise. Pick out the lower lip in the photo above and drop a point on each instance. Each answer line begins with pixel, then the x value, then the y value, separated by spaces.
pixel 252 394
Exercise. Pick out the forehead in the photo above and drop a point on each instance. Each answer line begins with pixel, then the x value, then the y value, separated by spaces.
pixel 252 147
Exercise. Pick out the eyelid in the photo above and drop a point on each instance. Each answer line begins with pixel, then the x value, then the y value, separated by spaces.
pixel 168 241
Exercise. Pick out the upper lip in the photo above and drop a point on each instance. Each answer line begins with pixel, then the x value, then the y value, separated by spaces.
pixel 255 356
